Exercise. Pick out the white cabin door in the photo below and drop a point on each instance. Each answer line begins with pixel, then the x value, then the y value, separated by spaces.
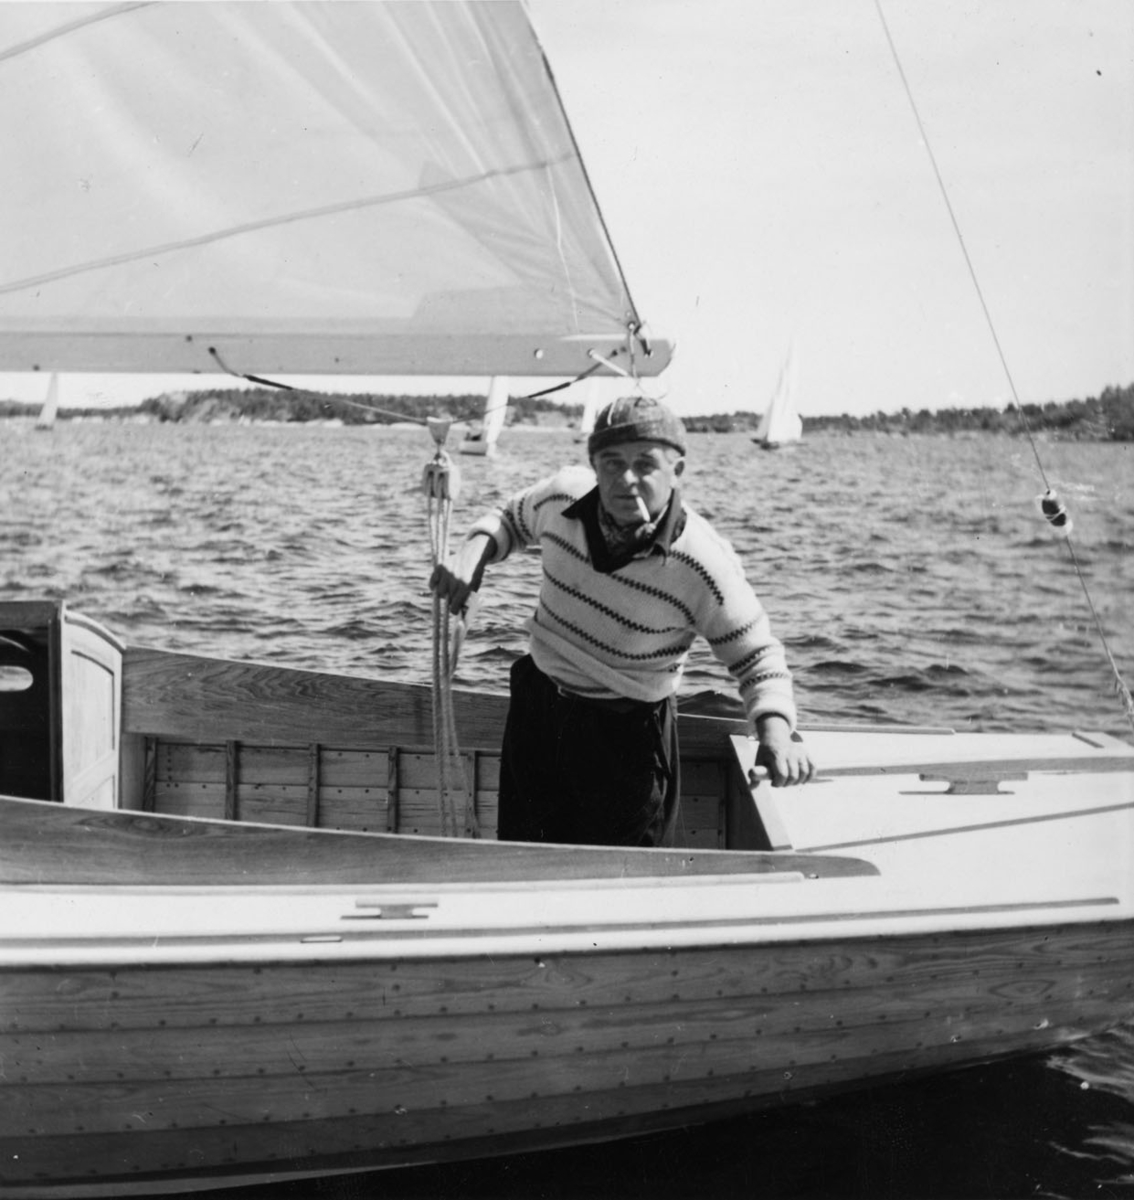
pixel 90 712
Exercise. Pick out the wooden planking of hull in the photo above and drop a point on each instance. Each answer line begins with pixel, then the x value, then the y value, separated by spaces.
pixel 160 1033
pixel 115 1076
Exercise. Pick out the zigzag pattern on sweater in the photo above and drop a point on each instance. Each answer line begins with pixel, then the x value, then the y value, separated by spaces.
pixel 750 660
pixel 512 524
pixel 627 631
pixel 613 613
pixel 745 686
pixel 696 565
pixel 566 546
pixel 618 577
pixel 518 530
pixel 739 632
pixel 560 497
pixel 666 652
pixel 654 593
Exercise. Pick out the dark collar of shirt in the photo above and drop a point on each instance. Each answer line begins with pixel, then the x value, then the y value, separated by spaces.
pixel 586 509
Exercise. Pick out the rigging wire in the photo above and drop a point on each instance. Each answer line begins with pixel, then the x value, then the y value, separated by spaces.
pixel 272 383
pixel 1052 508
pixel 600 362
pixel 287 387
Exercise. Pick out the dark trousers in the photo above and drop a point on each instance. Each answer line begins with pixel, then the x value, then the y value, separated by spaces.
pixel 588 772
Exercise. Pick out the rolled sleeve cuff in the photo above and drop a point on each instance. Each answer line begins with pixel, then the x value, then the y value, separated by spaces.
pixel 493 526
pixel 772 698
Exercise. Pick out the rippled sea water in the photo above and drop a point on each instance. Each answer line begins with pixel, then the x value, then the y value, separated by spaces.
pixel 912 580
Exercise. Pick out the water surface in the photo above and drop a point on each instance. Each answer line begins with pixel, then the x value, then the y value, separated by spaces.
pixel 912 580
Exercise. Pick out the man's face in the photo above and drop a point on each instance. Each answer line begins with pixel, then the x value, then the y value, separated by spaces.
pixel 632 469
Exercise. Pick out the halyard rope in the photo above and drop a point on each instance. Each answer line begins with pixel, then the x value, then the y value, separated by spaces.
pixel 440 483
pixel 1051 506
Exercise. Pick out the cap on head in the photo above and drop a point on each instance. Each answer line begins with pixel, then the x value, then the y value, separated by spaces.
pixel 636 419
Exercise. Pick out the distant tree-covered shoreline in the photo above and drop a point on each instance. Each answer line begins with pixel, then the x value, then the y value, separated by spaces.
pixel 1108 417
pixel 263 405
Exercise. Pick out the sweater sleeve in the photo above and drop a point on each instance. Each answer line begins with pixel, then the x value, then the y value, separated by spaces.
pixel 517 522
pixel 739 633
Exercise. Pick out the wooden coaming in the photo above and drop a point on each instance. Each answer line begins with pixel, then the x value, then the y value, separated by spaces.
pixel 207 700
pixel 131 1076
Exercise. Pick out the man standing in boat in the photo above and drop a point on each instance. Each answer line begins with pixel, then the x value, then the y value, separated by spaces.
pixel 631 575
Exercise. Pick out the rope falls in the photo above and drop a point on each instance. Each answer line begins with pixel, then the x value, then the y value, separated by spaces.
pixel 441 483
pixel 1050 504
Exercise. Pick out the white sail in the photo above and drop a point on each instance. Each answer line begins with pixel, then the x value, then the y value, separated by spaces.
pixel 482 439
pixel 781 424
pixel 325 188
pixel 591 406
pixel 46 418
pixel 495 409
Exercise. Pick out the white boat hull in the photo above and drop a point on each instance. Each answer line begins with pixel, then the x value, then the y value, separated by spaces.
pixel 327 1066
pixel 211 973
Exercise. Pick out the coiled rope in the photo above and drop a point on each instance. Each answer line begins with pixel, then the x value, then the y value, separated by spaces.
pixel 1050 505
pixel 455 798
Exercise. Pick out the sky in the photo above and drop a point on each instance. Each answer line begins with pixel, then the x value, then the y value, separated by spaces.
pixel 764 180
pixel 766 185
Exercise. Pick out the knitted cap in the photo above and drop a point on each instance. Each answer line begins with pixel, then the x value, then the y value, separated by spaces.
pixel 635 419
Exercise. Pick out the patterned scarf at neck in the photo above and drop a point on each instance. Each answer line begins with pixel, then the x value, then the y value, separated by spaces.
pixel 625 539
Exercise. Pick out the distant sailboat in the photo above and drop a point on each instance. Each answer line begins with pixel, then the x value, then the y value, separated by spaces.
pixel 591 405
pixel 781 425
pixel 46 418
pixel 482 438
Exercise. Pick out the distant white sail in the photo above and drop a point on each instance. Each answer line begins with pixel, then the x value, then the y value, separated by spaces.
pixel 357 188
pixel 781 424
pixel 482 439
pixel 46 418
pixel 591 406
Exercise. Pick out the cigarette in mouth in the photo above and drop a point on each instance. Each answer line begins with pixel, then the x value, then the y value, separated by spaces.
pixel 643 511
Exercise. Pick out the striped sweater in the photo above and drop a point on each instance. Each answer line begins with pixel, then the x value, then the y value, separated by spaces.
pixel 624 628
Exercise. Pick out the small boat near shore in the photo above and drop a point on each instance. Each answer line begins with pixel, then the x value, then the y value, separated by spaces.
pixel 233 948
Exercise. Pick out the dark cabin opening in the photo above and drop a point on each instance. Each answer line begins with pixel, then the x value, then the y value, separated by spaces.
pixel 29 764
